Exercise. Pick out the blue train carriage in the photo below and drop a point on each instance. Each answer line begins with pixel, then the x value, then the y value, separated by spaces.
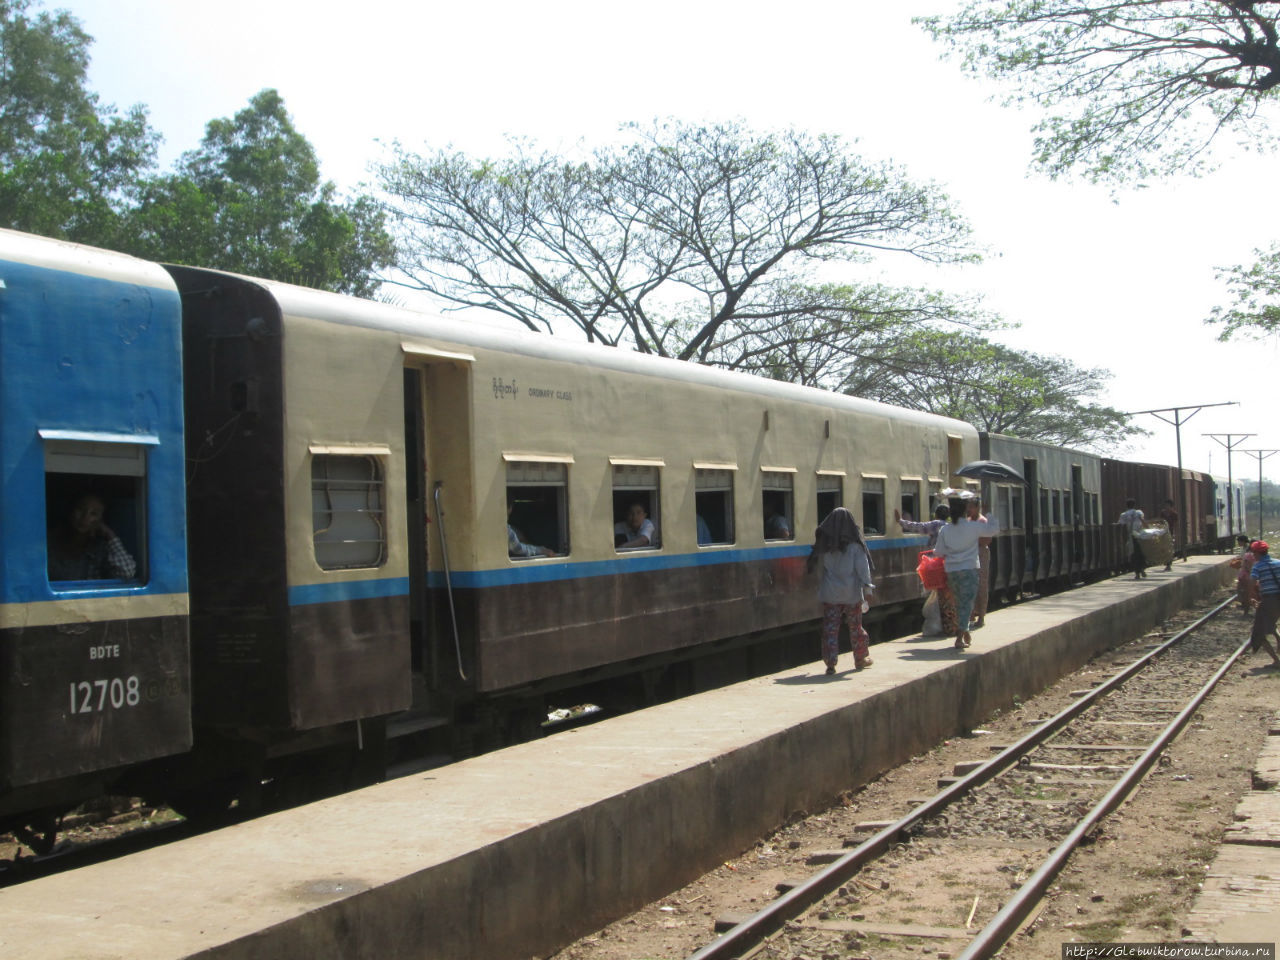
pixel 94 671
pixel 375 493
pixel 1051 526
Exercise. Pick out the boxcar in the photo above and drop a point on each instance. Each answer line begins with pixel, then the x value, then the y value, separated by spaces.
pixel 1151 484
pixel 94 671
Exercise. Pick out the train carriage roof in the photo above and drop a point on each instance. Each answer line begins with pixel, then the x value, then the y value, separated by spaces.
pixel 35 251
pixel 340 309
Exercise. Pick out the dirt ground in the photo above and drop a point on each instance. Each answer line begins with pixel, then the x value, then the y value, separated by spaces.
pixel 1135 881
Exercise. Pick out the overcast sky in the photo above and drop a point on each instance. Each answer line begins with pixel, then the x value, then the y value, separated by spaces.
pixel 1121 282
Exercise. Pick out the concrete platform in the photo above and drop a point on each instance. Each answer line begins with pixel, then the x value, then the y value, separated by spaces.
pixel 1240 900
pixel 524 850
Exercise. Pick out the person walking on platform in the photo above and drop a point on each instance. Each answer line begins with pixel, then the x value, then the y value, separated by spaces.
pixel 1133 520
pixel 943 602
pixel 1266 573
pixel 1246 589
pixel 840 550
pixel 958 546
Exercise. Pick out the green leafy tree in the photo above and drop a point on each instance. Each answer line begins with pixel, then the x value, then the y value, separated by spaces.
pixel 1136 89
pixel 997 389
pixel 685 241
pixel 250 199
pixel 67 162
pixel 1144 86
pixel 1255 292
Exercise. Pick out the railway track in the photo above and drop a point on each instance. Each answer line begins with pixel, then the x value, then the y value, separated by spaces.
pixel 1049 792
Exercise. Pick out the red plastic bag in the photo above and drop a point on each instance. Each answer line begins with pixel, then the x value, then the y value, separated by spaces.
pixel 932 570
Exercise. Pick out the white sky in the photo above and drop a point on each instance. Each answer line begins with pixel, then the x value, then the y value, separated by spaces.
pixel 1119 282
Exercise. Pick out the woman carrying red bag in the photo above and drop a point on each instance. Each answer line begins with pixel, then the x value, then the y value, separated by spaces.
pixel 946 603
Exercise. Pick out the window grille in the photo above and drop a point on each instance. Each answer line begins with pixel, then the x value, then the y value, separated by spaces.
pixel 347 511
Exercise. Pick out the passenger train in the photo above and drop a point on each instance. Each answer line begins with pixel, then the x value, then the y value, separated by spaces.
pixel 313 490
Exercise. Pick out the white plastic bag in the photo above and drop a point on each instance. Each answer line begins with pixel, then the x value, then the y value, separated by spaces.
pixel 932 616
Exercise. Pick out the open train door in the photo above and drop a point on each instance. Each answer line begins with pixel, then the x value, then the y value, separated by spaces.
pixel 436 398
pixel 1031 525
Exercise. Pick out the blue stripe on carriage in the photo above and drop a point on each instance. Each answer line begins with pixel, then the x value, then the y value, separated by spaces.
pixel 309 593
pixel 547 571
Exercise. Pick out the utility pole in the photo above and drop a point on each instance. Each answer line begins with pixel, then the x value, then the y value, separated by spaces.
pixel 1177 421
pixel 1233 440
pixel 1261 455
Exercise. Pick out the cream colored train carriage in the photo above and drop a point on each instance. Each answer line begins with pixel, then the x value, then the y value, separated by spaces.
pixel 391 509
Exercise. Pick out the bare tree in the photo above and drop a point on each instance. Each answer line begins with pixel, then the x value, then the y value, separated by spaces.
pixel 685 241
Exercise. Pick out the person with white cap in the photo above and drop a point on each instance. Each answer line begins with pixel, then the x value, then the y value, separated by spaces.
pixel 958 546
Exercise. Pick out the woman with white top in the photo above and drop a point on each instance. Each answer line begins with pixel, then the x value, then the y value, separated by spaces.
pixel 958 545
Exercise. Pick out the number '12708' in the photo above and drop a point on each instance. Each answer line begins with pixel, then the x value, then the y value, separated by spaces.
pixel 88 696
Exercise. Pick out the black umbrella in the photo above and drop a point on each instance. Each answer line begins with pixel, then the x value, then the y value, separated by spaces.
pixel 990 470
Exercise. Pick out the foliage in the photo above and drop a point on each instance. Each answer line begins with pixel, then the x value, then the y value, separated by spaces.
pixel 1256 293
pixel 66 161
pixel 1147 84
pixel 250 199
pixel 998 389
pixel 685 241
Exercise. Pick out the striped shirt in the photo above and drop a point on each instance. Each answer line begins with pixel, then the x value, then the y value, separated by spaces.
pixel 1266 570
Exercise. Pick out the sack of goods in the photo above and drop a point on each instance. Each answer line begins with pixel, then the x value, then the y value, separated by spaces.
pixel 1156 543
pixel 932 570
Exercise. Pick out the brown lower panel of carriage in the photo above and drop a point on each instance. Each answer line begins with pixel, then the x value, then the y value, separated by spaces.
pixel 347 660
pixel 530 632
pixel 83 697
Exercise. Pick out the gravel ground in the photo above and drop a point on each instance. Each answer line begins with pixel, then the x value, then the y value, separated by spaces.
pixel 1135 881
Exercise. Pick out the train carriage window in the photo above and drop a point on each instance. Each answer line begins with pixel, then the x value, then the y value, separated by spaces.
pixel 637 506
pixel 1057 507
pixel 778 504
pixel 713 497
pixel 873 506
pixel 910 499
pixel 1044 507
pixel 95 512
pixel 538 508
pixel 935 498
pixel 1004 509
pixel 347 515
pixel 1015 507
pixel 830 492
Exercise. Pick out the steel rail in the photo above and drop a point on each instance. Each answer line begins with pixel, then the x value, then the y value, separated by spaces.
pixel 764 922
pixel 1005 923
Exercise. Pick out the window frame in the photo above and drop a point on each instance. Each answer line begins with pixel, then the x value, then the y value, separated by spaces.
pixel 780 481
pixel 710 472
pixel 117 469
pixel 635 484
pixel 552 474
pixel 875 486
pixel 378 457
pixel 906 484
pixel 827 482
